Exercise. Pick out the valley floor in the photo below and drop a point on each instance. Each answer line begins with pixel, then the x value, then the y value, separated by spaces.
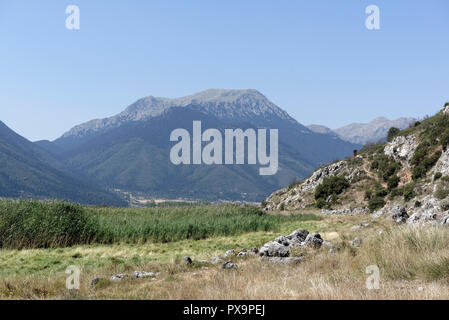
pixel 413 264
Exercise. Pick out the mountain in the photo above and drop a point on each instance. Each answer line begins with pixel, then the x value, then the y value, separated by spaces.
pixel 31 172
pixel 363 133
pixel 130 151
pixel 321 129
pixel 374 131
pixel 407 179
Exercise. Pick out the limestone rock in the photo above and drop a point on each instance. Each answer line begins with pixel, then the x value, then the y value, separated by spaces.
pixel 400 216
pixel 186 261
pixel 402 148
pixel 228 265
pixel 119 277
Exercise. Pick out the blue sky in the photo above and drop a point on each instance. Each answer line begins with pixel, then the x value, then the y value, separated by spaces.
pixel 314 59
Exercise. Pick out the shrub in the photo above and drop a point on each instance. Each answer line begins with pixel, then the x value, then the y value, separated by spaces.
pixel 376 203
pixel 264 203
pixel 418 204
pixel 396 192
pixel 331 186
pixel 392 133
pixel 293 184
pixel 421 152
pixel 321 203
pixel 393 182
pixel 437 176
pixel 445 139
pixel 409 192
pixel 419 172
pixel 368 195
pixel 385 166
pixel 442 190
pixel 381 192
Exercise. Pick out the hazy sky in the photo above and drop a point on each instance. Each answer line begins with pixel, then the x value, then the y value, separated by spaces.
pixel 315 59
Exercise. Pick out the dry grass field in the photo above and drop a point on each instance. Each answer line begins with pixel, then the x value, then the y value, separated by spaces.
pixel 413 264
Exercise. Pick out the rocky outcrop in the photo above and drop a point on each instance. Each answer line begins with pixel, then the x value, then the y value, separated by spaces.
pixel 442 165
pixel 430 212
pixel 402 148
pixel 282 249
pixel 301 196
pixel 445 109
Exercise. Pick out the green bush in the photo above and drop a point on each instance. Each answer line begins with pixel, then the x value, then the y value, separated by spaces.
pixel 321 203
pixel 376 203
pixel 409 192
pixel 392 133
pixel 293 184
pixel 381 192
pixel 393 182
pixel 442 190
pixel 420 154
pixel 385 166
pixel 437 176
pixel 418 204
pixel 332 186
pixel 419 172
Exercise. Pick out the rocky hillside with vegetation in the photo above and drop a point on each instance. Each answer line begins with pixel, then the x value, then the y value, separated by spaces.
pixel 407 177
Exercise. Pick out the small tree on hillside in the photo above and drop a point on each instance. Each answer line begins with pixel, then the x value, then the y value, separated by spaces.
pixel 392 133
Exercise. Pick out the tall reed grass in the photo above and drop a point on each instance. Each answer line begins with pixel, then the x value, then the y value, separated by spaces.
pixel 32 224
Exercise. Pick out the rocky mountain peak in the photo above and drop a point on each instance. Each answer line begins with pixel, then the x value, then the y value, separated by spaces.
pixel 224 104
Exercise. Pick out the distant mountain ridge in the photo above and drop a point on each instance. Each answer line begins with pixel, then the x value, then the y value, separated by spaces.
pixel 363 133
pixel 130 151
pixel 28 171
pixel 224 104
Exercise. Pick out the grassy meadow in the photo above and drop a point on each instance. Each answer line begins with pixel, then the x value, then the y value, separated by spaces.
pixel 37 245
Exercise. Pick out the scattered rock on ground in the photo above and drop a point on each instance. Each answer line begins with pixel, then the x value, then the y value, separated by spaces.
pixel 346 211
pixel 144 274
pixel 357 242
pixel 216 260
pixel 313 241
pixel 119 277
pixel 95 281
pixel 228 265
pixel 229 253
pixel 254 251
pixel 400 216
pixel 186 260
